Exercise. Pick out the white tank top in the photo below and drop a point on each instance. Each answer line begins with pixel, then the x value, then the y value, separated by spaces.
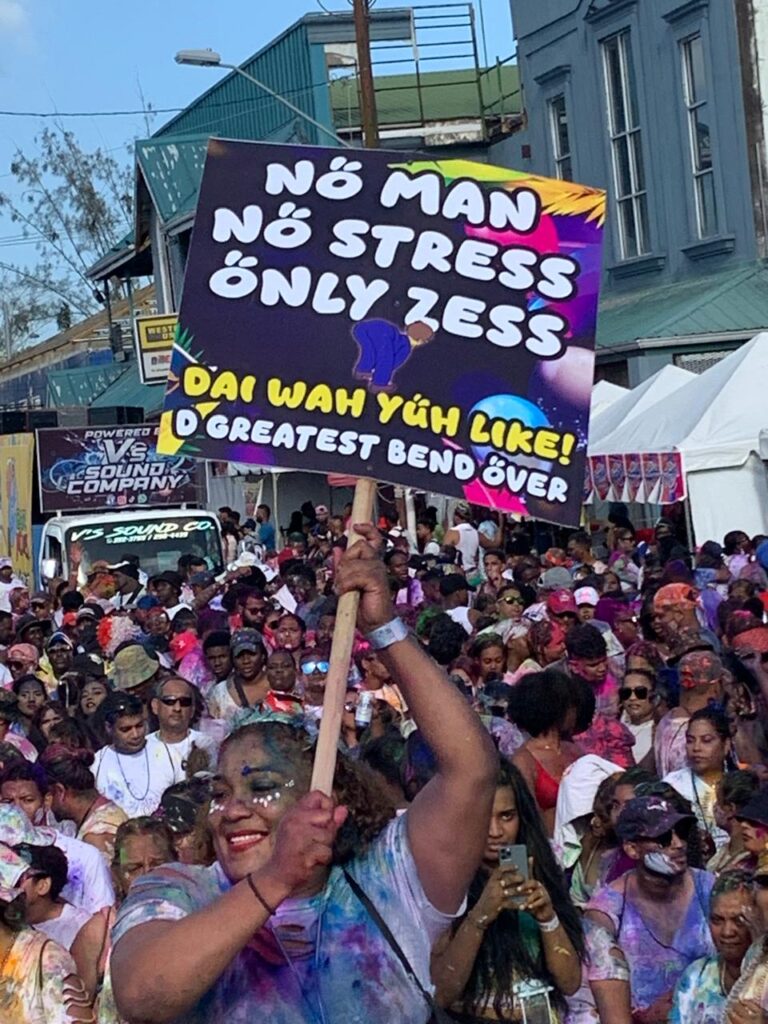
pixel 64 928
pixel 468 545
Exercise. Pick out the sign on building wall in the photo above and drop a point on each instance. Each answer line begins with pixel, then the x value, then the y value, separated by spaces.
pixel 428 323
pixel 154 342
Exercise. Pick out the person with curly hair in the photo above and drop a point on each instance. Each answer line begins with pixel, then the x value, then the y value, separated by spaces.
pixel 287 924
pixel 514 931
pixel 550 707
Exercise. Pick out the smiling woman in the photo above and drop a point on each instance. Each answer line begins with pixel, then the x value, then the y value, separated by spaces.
pixel 278 925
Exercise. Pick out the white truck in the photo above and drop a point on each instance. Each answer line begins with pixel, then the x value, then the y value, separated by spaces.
pixel 157 537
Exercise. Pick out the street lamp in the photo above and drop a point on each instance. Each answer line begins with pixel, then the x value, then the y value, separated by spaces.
pixel 211 59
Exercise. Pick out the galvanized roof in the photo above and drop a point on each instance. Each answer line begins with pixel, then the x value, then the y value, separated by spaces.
pixel 172 170
pixel 82 385
pixel 731 302
pixel 128 390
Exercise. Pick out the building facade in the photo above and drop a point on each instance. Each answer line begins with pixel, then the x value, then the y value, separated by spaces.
pixel 659 102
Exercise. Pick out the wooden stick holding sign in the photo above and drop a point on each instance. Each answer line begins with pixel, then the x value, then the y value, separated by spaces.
pixel 341 653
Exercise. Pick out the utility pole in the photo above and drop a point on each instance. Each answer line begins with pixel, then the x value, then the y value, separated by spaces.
pixel 365 71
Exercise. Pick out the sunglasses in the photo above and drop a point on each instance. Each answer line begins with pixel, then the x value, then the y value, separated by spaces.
pixel 761 882
pixel 512 600
pixel 641 692
pixel 682 830
pixel 349 707
pixel 308 667
pixel 16 664
pixel 183 702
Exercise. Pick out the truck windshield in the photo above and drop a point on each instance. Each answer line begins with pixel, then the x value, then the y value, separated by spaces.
pixel 158 543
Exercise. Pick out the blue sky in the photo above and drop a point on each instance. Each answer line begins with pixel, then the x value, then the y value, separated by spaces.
pixel 91 55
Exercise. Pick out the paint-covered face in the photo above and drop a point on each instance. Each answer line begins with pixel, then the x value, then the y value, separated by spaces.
pixel 256 784
pixel 60 657
pixel 138 856
pixel 175 708
pixel 504 825
pixel 157 622
pixel 727 923
pixel 25 794
pixel 324 631
pixel 754 836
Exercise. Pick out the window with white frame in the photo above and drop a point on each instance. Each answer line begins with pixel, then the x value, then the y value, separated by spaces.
pixel 561 142
pixel 699 137
pixel 626 146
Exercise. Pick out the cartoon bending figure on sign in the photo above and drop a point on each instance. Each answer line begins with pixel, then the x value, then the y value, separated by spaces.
pixel 384 348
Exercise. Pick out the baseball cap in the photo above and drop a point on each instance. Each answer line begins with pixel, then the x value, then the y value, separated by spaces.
pixel 202 579
pixel 133 666
pixel 647 817
pixel 586 595
pixel 453 583
pixel 90 611
pixel 16 828
pixel 698 668
pixel 463 508
pixel 57 639
pixel 321 510
pixel 561 602
pixel 756 808
pixel 12 867
pixel 40 596
pixel 246 640
pixel 89 665
pixel 557 578
pixel 6 563
pixel 29 620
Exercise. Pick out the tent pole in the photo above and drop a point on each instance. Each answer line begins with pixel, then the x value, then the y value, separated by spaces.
pixel 689 526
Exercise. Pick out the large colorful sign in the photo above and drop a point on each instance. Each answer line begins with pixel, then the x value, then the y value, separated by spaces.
pixel 16 467
pixel 111 468
pixel 426 323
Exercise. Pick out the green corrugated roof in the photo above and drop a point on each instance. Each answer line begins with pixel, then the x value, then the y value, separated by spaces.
pixel 172 169
pixel 82 385
pixel 128 390
pixel 433 96
pixel 732 301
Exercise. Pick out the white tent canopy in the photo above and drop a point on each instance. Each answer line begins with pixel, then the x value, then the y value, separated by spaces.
pixel 632 406
pixel 604 394
pixel 715 422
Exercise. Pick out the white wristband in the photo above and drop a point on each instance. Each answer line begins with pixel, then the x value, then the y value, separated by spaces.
pixel 386 635
pixel 551 925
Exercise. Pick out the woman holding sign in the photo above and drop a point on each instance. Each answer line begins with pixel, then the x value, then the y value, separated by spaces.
pixel 286 924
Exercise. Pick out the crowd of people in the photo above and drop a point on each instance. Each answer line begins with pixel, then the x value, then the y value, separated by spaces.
pixel 550 801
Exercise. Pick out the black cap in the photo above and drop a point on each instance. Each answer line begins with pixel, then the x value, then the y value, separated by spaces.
pixel 646 817
pixel 454 582
pixel 28 620
pixel 756 808
pixel 89 665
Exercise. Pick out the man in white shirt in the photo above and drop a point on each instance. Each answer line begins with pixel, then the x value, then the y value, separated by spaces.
pixel 89 884
pixel 176 705
pixel 464 537
pixel 454 590
pixel 8 582
pixel 124 771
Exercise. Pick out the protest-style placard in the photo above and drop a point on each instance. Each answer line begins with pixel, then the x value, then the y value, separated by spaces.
pixel 428 323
